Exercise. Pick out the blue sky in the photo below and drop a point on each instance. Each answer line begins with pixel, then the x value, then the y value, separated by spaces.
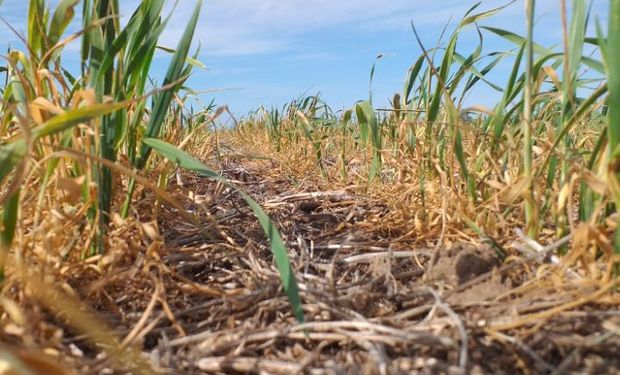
pixel 267 52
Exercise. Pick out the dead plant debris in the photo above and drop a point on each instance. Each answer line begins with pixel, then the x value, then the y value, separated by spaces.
pixel 194 301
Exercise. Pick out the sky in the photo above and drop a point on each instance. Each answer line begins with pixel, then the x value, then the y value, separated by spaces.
pixel 267 52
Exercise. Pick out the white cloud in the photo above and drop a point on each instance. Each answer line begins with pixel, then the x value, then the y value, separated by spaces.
pixel 250 27
pixel 245 27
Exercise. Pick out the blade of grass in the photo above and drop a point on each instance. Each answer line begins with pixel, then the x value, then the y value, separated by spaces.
pixel 60 20
pixel 499 250
pixel 412 76
pixel 371 128
pixel 531 219
pixel 573 45
pixel 613 73
pixel 7 232
pixel 37 18
pixel 613 129
pixel 186 161
pixel 163 100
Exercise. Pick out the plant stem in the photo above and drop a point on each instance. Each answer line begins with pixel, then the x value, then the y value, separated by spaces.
pixel 530 209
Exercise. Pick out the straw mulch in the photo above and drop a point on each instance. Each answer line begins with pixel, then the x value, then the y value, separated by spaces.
pixel 379 295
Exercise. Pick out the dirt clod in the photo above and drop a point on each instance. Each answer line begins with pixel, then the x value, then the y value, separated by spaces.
pixel 462 262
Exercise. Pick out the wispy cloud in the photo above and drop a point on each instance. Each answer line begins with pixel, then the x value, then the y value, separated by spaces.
pixel 248 27
pixel 277 48
pixel 252 27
